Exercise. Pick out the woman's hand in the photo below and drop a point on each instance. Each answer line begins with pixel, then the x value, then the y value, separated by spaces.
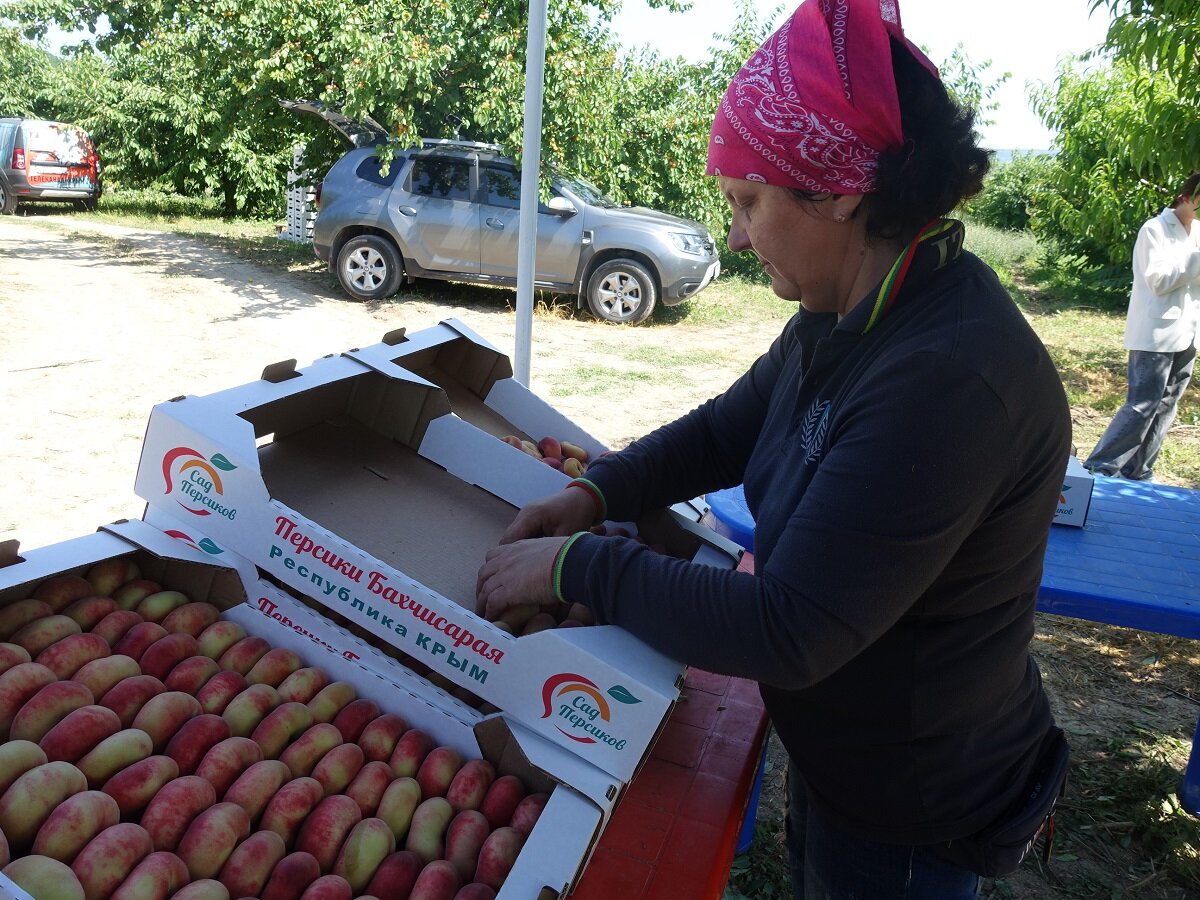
pixel 558 515
pixel 517 573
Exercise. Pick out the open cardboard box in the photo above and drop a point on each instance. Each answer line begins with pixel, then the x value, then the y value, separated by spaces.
pixel 1076 496
pixel 478 381
pixel 355 484
pixel 555 853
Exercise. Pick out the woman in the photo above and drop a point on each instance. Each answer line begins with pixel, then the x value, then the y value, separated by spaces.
pixel 901 446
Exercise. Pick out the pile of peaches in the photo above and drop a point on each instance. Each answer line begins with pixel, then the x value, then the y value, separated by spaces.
pixel 562 455
pixel 152 749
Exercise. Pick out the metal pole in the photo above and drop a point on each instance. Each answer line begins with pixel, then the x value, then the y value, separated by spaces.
pixel 531 155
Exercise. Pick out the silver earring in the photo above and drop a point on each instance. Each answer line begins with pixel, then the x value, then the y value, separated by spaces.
pixel 839 218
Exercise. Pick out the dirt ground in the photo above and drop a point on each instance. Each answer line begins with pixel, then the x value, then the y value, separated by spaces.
pixel 99 323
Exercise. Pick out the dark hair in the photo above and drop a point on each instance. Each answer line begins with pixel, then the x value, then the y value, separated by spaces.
pixel 940 164
pixel 1188 189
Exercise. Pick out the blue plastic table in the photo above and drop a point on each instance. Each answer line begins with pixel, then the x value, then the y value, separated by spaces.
pixel 1135 563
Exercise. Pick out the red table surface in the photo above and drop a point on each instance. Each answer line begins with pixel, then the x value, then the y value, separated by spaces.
pixel 674 833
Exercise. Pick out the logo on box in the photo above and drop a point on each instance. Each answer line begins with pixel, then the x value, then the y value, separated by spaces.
pixel 189 474
pixel 203 544
pixel 581 704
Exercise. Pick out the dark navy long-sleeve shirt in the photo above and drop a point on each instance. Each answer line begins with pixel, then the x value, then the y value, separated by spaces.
pixel 902 483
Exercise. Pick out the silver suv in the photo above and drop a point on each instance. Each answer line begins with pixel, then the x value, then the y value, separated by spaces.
pixel 449 210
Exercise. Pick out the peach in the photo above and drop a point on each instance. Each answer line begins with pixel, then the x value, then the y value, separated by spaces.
pixel 100 675
pixel 528 811
pixel 498 855
pixel 475 891
pixel 88 612
pixel 17 686
pixel 412 748
pixel 550 446
pixel 437 770
pixel 130 594
pixel 291 877
pixel 156 877
pixel 12 655
pixel 464 839
pixel 41 876
pixel 47 708
pixel 173 808
pixel 573 467
pixel 110 857
pixel 302 685
pixel 396 875
pixel 255 787
pixel 303 754
pixel 211 838
pixel 328 887
pixel 17 758
pixel 78 733
pixel 204 889
pixel 135 786
pixel 219 690
pixel 337 768
pixel 164 714
pixel 245 711
pixel 219 637
pixel 195 738
pixel 368 786
pixel 367 845
pixel 437 881
pixel 427 830
pixel 224 762
pixel 39 634
pixel 109 574
pixel 246 871
pixel 470 784
pixel 127 697
pixel 166 653
pixel 116 624
pixel 113 754
pixel 501 800
pixel 378 738
pixel 290 808
pixel 138 639
pixel 67 656
pixel 16 616
pixel 191 674
pixel 354 717
pixel 396 806
pixel 31 799
pixel 280 727
pixel 190 618
pixel 73 823
pixel 329 701
pixel 273 666
pixel 156 607
pixel 242 655
pixel 61 591
pixel 324 830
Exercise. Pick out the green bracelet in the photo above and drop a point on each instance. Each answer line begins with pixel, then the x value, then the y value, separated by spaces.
pixel 557 567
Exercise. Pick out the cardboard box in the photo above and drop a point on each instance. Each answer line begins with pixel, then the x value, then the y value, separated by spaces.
pixel 555 853
pixel 1076 495
pixel 353 482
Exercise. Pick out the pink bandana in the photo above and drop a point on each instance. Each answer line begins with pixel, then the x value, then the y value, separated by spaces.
pixel 815 106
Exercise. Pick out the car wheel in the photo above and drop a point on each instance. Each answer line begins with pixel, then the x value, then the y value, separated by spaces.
pixel 621 291
pixel 90 204
pixel 369 267
pixel 8 200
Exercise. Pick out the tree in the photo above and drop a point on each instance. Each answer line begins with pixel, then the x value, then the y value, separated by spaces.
pixel 25 76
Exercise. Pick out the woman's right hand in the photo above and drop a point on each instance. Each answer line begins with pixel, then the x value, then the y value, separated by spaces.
pixel 558 515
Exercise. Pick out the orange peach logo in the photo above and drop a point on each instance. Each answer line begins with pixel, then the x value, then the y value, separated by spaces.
pixel 190 475
pixel 583 707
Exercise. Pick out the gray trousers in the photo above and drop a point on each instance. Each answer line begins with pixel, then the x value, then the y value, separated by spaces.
pixel 1133 439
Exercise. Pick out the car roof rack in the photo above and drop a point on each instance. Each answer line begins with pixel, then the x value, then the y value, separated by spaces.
pixel 450 143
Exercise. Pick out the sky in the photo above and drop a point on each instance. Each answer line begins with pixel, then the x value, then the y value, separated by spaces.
pixel 1024 37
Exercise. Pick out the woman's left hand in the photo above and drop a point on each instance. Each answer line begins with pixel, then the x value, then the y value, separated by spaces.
pixel 517 573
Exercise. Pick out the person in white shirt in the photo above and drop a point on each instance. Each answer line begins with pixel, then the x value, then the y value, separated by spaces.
pixel 1160 334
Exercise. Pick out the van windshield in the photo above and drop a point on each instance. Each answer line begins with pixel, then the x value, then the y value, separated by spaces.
pixel 51 142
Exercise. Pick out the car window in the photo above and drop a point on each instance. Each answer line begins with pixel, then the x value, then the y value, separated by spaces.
pixel 442 179
pixel 502 187
pixel 51 142
pixel 368 170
